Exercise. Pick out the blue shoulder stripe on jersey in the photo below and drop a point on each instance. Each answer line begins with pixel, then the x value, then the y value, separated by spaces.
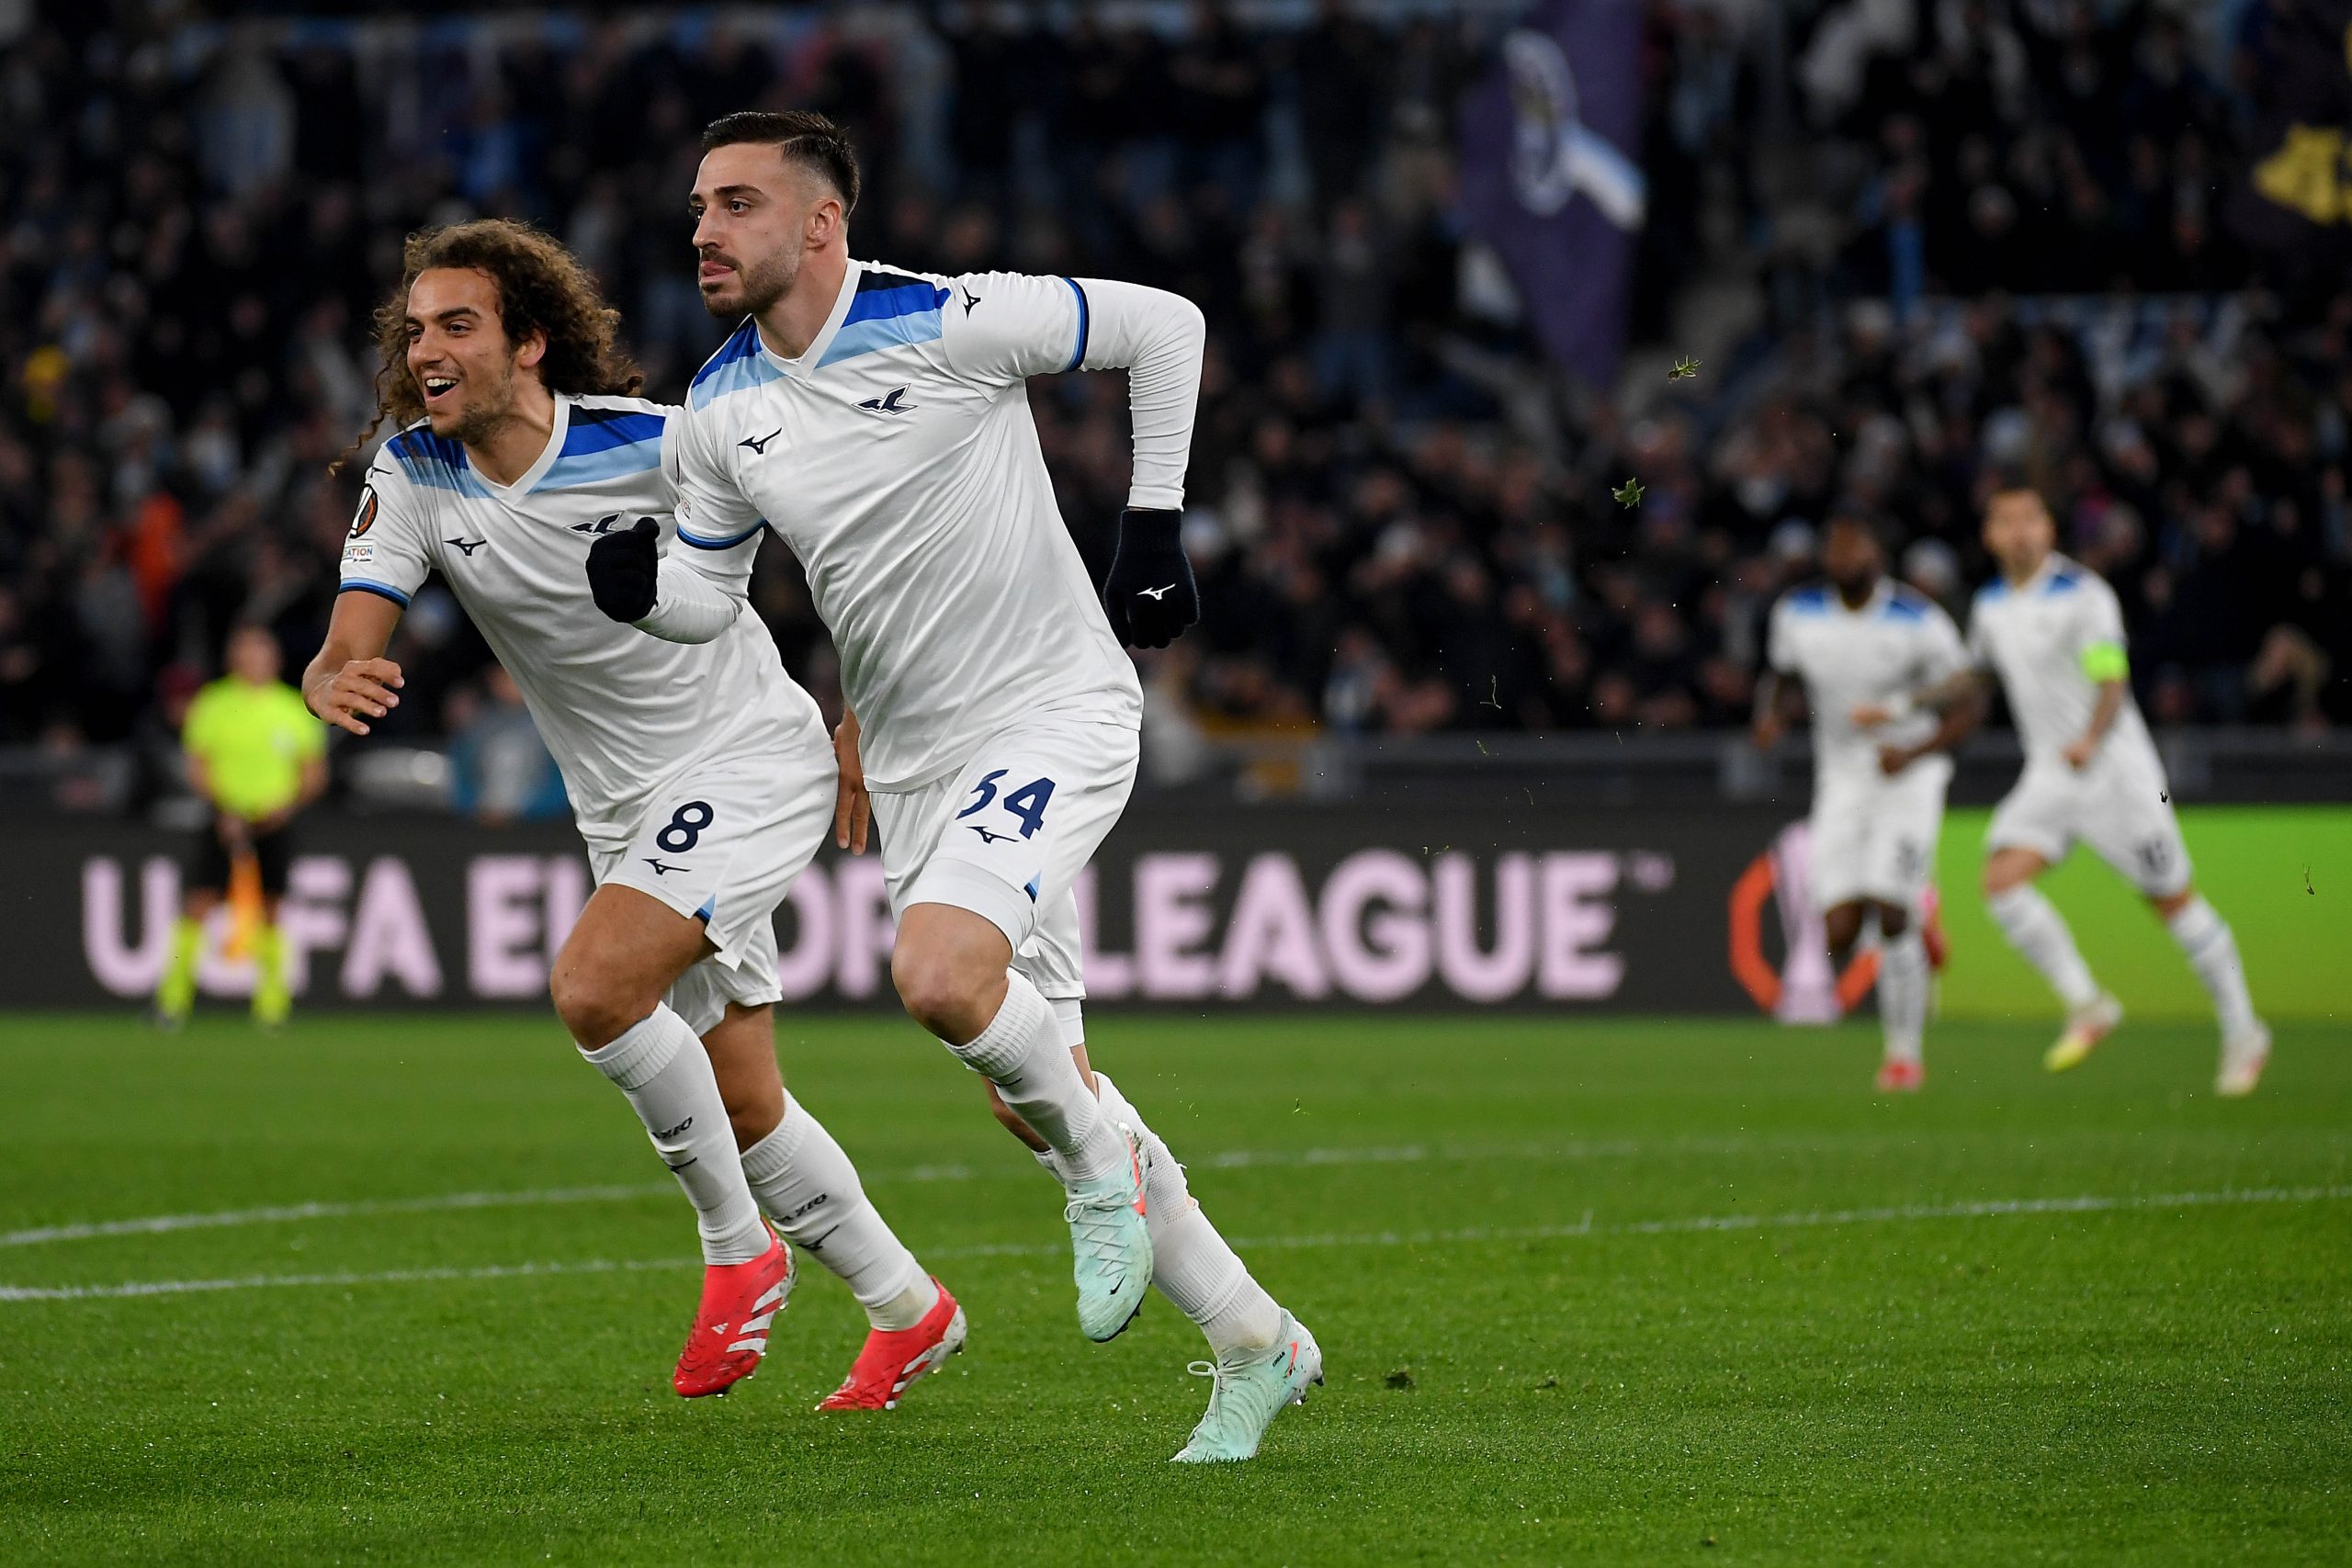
pixel 737 364
pixel 881 279
pixel 899 300
pixel 741 343
pixel 1809 601
pixel 901 315
pixel 1996 589
pixel 428 459
pixel 1905 604
pixel 612 444
pixel 700 543
pixel 610 463
pixel 2064 580
pixel 363 585
pixel 592 430
pixel 1078 354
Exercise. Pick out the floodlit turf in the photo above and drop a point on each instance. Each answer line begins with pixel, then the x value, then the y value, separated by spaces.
pixel 1639 1363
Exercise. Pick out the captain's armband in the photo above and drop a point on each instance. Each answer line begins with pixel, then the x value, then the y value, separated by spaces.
pixel 2104 662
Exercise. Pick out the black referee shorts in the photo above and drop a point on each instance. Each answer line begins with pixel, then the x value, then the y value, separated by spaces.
pixel 206 869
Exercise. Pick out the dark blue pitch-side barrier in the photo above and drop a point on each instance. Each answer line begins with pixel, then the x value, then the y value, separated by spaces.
pixel 1189 905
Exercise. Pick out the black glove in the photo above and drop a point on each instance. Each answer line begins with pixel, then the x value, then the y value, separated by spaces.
pixel 622 568
pixel 1150 595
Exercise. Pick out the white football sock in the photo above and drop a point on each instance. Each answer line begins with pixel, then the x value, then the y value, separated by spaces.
pixel 2036 930
pixel 1902 993
pixel 1192 1264
pixel 664 1069
pixel 2212 951
pixel 1023 1052
pixel 807 1185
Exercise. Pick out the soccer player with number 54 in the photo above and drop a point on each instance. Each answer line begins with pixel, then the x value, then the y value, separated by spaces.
pixel 878 422
pixel 700 776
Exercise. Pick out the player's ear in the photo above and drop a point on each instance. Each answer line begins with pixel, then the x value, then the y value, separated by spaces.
pixel 530 351
pixel 824 221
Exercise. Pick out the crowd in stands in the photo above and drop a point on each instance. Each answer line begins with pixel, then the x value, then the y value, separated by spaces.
pixel 1401 522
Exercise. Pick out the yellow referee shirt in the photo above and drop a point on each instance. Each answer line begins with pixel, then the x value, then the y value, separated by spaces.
pixel 253 741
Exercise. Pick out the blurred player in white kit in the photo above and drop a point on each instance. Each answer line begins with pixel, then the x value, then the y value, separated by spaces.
pixel 1859 642
pixel 878 420
pixel 700 776
pixel 2051 632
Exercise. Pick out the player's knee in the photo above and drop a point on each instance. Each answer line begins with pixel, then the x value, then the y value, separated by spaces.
pixel 948 984
pixel 594 1008
pixel 937 989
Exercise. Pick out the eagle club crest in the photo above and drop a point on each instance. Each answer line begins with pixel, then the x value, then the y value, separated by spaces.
pixel 365 517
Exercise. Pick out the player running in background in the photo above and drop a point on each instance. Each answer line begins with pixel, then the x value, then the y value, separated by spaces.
pixel 256 757
pixel 878 422
pixel 1859 642
pixel 700 776
pixel 2051 630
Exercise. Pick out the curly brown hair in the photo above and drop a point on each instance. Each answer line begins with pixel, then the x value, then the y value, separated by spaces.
pixel 542 288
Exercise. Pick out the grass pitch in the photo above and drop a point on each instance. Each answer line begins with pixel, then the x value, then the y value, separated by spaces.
pixel 1589 1291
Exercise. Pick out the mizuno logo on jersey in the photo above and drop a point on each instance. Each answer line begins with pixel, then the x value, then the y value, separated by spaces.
pixel 759 443
pixel 601 525
pixel 467 546
pixel 891 404
pixel 970 299
pixel 661 869
pixel 989 838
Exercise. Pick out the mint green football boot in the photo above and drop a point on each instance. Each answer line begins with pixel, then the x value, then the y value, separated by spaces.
pixel 1253 1387
pixel 1110 1246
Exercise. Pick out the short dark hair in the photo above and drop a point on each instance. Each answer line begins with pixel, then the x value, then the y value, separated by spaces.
pixel 803 136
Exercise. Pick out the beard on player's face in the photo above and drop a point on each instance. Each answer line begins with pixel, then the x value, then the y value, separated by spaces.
pixel 754 287
pixel 484 398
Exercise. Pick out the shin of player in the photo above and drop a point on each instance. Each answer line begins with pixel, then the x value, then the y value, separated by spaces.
pixel 2052 634
pixel 1858 643
pixel 699 775
pixel 1263 1356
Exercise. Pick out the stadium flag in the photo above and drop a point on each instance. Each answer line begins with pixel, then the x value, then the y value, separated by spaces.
pixel 2294 199
pixel 1548 175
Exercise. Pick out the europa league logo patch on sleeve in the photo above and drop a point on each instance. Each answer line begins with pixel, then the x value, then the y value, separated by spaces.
pixel 366 518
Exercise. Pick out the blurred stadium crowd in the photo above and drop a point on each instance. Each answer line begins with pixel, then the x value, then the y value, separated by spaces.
pixel 1403 521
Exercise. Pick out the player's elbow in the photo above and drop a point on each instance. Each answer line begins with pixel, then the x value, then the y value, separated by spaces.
pixel 1189 328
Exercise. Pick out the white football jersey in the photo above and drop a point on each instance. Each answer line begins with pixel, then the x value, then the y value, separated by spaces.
pixel 1897 642
pixel 2033 638
pixel 622 713
pixel 898 460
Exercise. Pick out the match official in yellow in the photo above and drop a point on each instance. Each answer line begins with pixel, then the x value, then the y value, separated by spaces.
pixel 257 757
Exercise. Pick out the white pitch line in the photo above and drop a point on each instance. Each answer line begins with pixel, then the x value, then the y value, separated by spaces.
pixel 2088 1203
pixel 157 1223
pixel 1229 1159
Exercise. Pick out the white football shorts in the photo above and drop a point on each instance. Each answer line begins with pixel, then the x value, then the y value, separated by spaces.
pixel 1874 837
pixel 722 843
pixel 2118 806
pixel 1006 837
